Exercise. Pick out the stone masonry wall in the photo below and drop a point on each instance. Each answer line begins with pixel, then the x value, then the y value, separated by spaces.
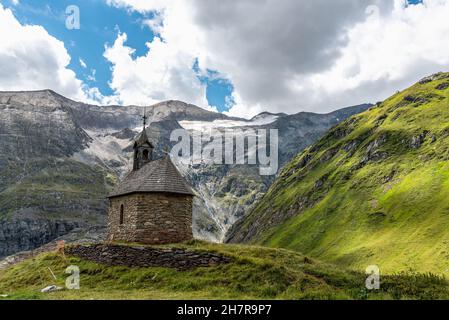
pixel 141 256
pixel 127 231
pixel 151 218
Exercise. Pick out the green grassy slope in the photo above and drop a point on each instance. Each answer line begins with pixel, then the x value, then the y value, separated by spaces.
pixel 374 190
pixel 254 273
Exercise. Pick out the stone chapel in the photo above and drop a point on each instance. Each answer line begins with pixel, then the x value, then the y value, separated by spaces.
pixel 153 203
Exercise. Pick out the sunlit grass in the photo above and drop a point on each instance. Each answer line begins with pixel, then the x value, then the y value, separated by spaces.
pixel 359 217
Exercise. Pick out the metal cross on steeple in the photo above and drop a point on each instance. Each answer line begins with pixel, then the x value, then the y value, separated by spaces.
pixel 144 118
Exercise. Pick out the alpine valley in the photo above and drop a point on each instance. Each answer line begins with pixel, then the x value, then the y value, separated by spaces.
pixel 362 186
pixel 60 158
pixel 372 191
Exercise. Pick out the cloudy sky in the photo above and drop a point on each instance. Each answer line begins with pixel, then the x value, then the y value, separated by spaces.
pixel 239 57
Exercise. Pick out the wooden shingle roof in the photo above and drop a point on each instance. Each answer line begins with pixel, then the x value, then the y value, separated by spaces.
pixel 156 176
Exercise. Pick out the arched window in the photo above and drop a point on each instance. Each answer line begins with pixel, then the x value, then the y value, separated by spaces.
pixel 146 155
pixel 122 214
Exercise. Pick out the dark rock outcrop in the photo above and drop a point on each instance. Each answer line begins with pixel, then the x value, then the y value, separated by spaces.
pixel 416 141
pixel 442 86
pixel 28 234
pixel 83 235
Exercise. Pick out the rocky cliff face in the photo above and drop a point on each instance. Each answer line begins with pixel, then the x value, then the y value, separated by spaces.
pixel 59 158
pixel 27 234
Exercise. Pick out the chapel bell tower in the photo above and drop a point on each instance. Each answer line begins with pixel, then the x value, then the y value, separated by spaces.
pixel 143 148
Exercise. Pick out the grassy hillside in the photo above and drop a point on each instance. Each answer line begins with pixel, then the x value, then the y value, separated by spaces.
pixel 254 273
pixel 57 188
pixel 374 190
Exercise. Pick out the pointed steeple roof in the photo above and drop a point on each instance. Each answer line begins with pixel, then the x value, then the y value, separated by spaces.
pixel 156 176
pixel 142 139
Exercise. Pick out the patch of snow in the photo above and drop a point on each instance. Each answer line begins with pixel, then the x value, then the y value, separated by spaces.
pixel 104 147
pixel 217 124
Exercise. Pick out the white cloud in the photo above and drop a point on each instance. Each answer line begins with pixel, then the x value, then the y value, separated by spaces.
pixel 296 55
pixel 156 24
pixel 82 63
pixel 164 73
pixel 387 54
pixel 280 56
pixel 91 76
pixel 140 5
pixel 31 59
